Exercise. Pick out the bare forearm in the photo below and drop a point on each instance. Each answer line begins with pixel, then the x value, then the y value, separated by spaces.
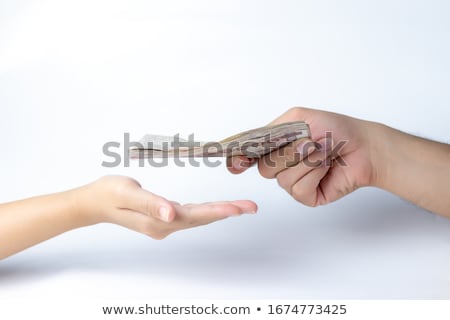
pixel 27 222
pixel 414 168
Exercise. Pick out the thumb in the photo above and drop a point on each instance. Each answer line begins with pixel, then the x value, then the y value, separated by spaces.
pixel 150 204
pixel 239 164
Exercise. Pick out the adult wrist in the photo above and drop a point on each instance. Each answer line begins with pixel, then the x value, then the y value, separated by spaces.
pixel 381 141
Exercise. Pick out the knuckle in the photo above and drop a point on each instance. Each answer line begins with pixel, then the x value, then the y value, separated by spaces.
pixel 302 195
pixel 263 171
pixel 297 192
pixel 266 167
pixel 283 183
pixel 120 185
pixel 296 112
pixel 118 190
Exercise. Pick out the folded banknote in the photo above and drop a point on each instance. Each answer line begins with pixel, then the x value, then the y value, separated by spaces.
pixel 252 143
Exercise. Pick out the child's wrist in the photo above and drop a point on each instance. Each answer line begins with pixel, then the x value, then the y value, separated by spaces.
pixel 80 209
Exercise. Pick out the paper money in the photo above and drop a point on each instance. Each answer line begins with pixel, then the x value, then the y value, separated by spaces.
pixel 253 143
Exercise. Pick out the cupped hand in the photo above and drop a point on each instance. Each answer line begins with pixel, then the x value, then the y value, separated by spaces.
pixel 122 200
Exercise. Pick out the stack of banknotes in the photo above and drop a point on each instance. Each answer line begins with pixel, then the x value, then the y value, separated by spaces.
pixel 253 143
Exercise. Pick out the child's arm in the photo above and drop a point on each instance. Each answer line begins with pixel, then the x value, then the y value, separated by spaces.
pixel 113 199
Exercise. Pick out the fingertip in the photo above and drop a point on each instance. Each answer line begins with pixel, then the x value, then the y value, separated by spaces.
pixel 172 214
pixel 166 212
pixel 233 170
pixel 254 208
pixel 239 164
pixel 246 206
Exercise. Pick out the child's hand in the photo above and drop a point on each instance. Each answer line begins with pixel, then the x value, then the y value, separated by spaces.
pixel 121 200
pixel 113 199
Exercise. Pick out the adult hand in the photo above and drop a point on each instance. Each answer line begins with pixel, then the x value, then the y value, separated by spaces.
pixel 338 158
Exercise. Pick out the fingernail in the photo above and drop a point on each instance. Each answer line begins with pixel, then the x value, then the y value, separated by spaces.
pixel 239 164
pixel 247 163
pixel 164 213
pixel 249 211
pixel 236 163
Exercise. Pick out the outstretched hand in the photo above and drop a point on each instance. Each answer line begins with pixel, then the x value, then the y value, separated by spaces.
pixel 113 199
pixel 122 200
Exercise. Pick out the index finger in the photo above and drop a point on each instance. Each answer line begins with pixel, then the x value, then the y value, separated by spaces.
pixel 192 215
pixel 239 164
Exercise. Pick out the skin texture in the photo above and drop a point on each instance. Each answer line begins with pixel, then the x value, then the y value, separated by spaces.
pixel 114 199
pixel 359 153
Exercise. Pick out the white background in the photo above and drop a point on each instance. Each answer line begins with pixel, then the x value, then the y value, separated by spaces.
pixel 76 74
